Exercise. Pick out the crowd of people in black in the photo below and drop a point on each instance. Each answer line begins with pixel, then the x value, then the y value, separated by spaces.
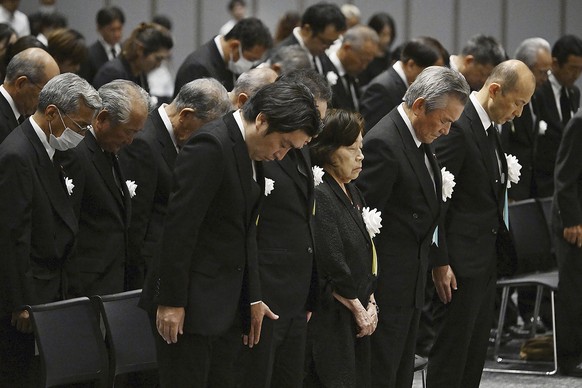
pixel 310 208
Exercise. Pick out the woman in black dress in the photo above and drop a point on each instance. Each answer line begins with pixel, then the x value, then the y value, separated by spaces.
pixel 339 329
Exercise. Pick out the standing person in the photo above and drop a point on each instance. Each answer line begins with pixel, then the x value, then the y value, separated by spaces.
pixel 401 178
pixel 225 57
pixel 149 162
pixel 101 197
pixel 560 99
pixel 146 48
pixel 346 313
pixel 385 27
pixel 11 15
pixel 286 268
pixel 208 275
pixel 26 75
pixel 37 220
pixel 477 237
pixel 110 21
pixel 567 226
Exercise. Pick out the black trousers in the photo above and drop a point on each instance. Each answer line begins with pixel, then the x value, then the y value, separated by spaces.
pixel 18 365
pixel 458 355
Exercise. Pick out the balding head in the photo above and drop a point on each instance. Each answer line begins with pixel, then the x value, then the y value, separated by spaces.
pixel 358 49
pixel 26 75
pixel 506 91
pixel 249 82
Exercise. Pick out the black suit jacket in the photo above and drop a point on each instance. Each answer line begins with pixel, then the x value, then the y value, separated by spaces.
pixel 149 162
pixel 7 119
pixel 208 262
pixel 103 213
pixel 548 143
pixel 38 224
pixel 383 94
pixel 341 97
pixel 285 236
pixel 204 62
pixel 474 216
pixel 395 181
pixel 96 57
pixel 118 68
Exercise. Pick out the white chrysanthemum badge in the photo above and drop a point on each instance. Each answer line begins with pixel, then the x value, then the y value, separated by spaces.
pixel 317 175
pixel 448 184
pixel 69 184
pixel 131 187
pixel 331 77
pixel 373 220
pixel 542 127
pixel 513 170
pixel 269 186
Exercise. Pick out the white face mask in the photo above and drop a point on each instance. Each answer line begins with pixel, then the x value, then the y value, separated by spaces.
pixel 241 65
pixel 68 139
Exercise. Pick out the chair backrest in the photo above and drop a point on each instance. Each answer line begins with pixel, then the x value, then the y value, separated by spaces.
pixel 530 235
pixel 129 334
pixel 70 342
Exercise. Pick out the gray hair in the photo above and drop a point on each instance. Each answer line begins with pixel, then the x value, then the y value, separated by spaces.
pixel 66 91
pixel 120 96
pixel 290 58
pixel 434 84
pixel 358 35
pixel 206 96
pixel 528 50
pixel 251 81
pixel 23 64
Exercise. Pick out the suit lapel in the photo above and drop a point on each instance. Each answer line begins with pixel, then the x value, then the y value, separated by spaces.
pixel 168 150
pixel 7 112
pixel 51 180
pixel 294 167
pixel 104 167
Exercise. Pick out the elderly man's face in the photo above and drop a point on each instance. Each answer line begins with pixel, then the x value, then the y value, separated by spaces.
pixel 113 137
pixel 506 105
pixel 541 67
pixel 27 99
pixel 357 60
pixel 430 126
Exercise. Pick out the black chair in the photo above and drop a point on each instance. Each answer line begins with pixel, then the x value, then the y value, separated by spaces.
pixel 69 342
pixel 531 236
pixel 420 364
pixel 128 335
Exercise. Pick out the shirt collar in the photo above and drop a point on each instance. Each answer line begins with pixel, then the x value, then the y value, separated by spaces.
pixel 338 64
pixel 556 86
pixel 297 35
pixel 408 124
pixel 168 124
pixel 43 139
pixel 10 100
pixel 239 121
pixel 400 71
pixel 483 116
pixel 218 43
pixel 108 47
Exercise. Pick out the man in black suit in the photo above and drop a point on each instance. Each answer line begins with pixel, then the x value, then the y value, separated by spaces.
pixel 385 92
pixel 208 275
pixel 477 59
pixel 321 25
pixel 521 140
pixel 26 75
pixel 476 229
pixel 149 162
pixel 559 99
pixel 567 226
pixel 36 219
pixel 226 57
pixel 358 48
pixel 102 197
pixel 401 178
pixel 110 21
pixel 286 270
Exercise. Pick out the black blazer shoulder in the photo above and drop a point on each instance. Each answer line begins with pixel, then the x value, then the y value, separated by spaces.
pixel 382 94
pixel 7 119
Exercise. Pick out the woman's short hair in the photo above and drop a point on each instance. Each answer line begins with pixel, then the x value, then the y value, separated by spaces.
pixel 65 44
pixel 341 128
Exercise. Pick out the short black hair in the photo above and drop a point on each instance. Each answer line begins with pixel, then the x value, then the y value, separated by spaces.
pixel 341 128
pixel 565 46
pixel 321 15
pixel 315 82
pixel 251 32
pixel 424 51
pixel 108 15
pixel 233 3
pixel 163 21
pixel 287 107
pixel 485 49
pixel 381 19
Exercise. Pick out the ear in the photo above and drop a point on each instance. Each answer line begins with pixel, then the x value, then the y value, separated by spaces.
pixel 100 119
pixel 418 106
pixel 241 99
pixel 494 88
pixel 261 121
pixel 468 60
pixel 185 114
pixel 276 68
pixel 21 82
pixel 51 112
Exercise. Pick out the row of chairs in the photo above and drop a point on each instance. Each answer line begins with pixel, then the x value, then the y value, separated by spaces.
pixel 93 339
pixel 530 226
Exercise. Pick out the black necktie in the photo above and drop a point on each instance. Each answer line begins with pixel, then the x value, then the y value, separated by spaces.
pixel 492 136
pixel 20 119
pixel 565 106
pixel 115 171
pixel 113 52
pixel 315 64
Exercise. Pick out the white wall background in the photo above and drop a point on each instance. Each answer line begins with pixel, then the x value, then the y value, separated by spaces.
pixel 452 22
